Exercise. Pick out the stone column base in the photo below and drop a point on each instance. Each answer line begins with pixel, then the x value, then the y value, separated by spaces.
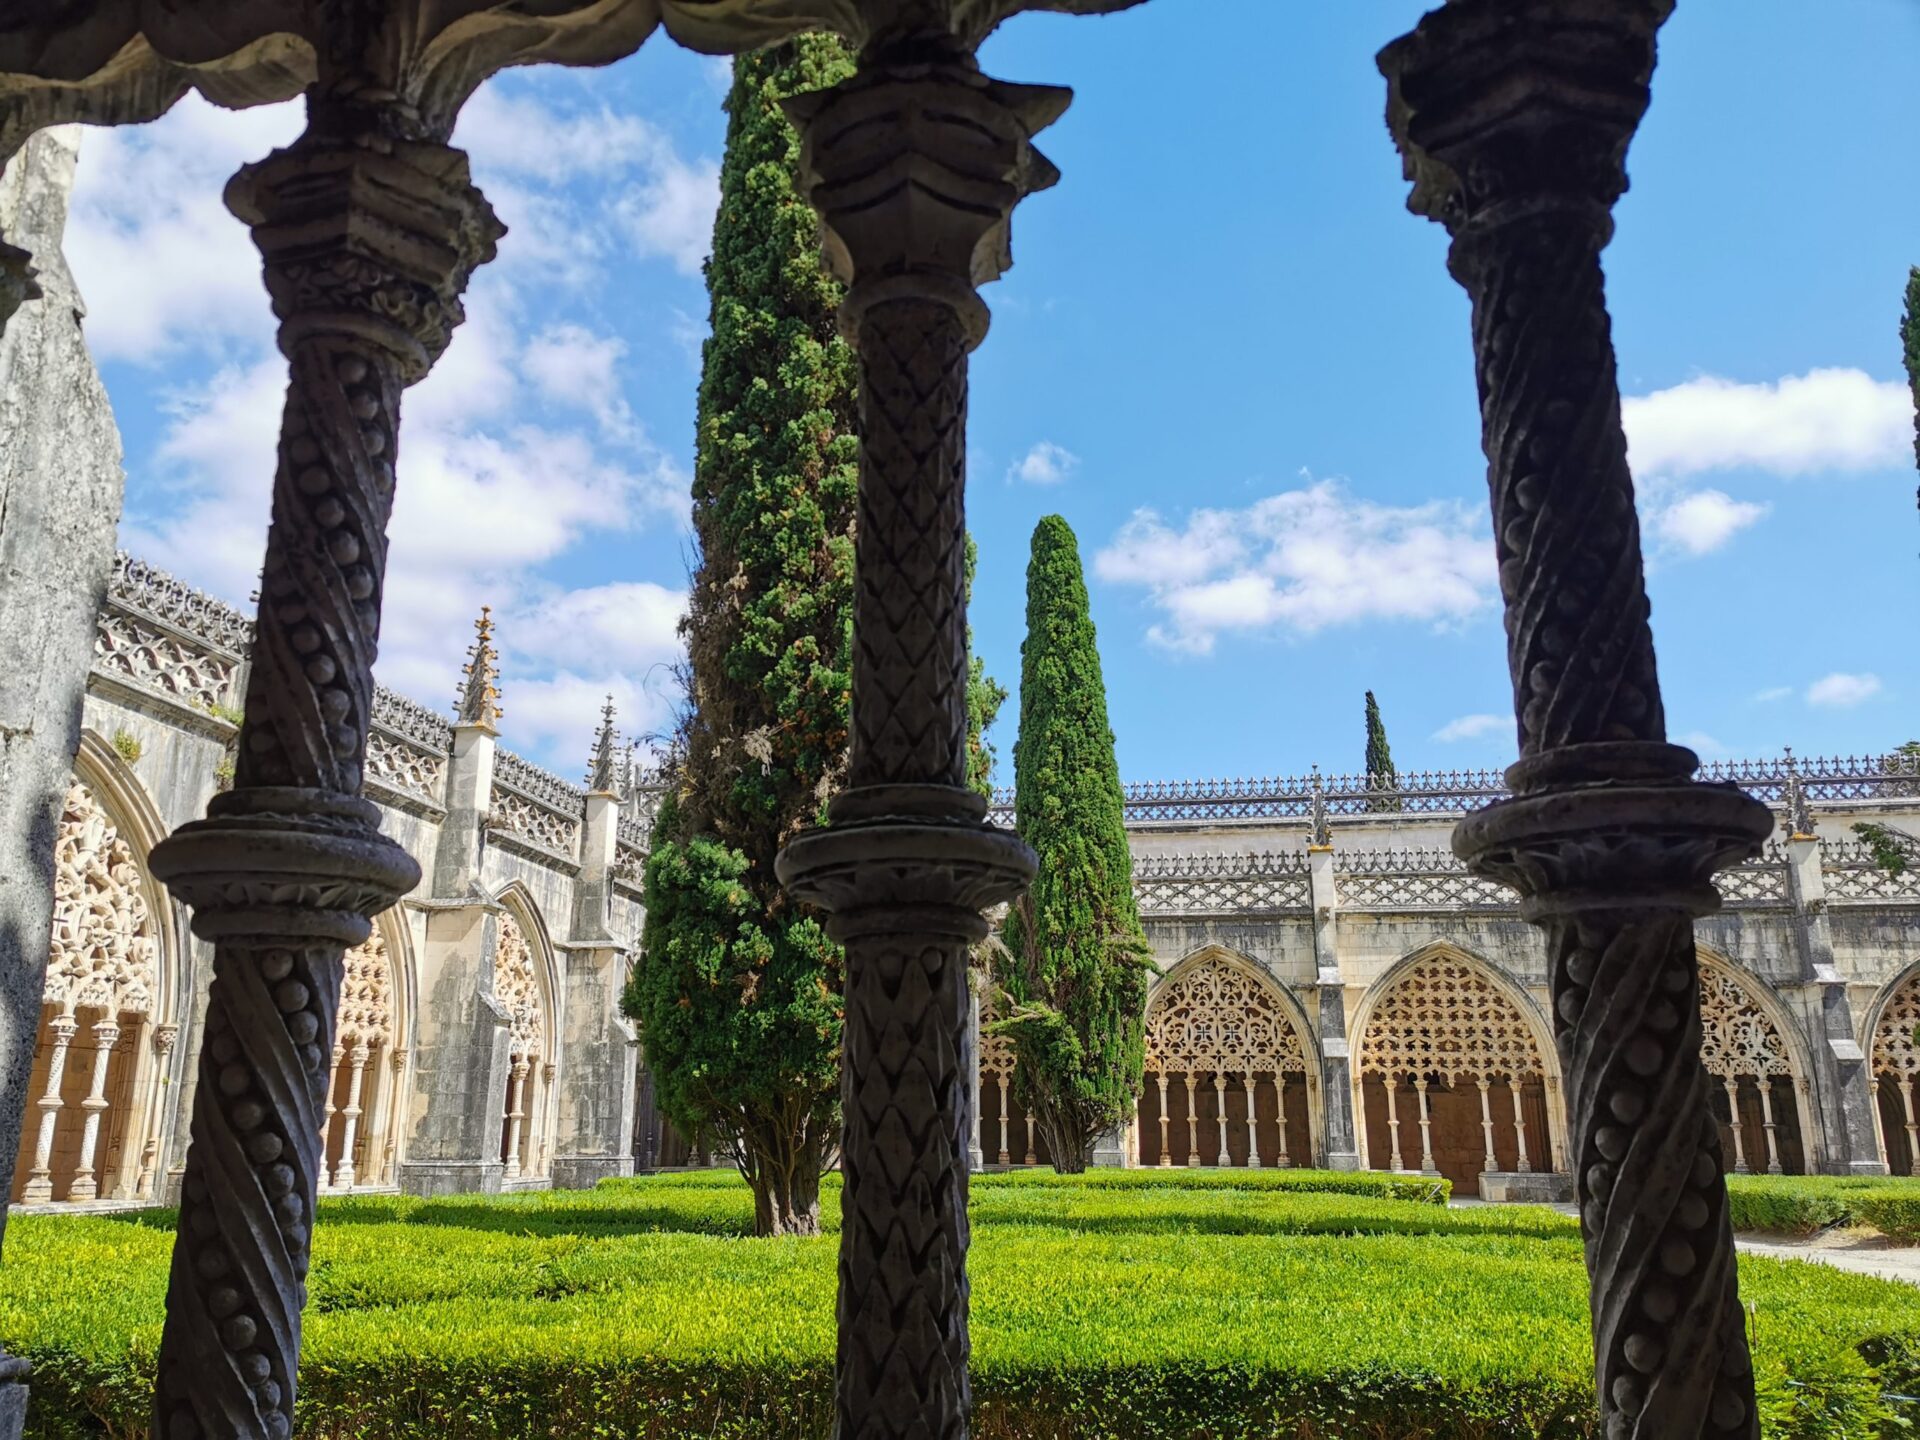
pixel 1499 1187
pixel 1343 1160
pixel 431 1178
pixel 583 1172
pixel 1110 1150
pixel 1862 1167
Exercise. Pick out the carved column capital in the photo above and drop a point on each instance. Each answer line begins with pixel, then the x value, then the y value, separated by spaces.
pixel 1609 826
pixel 164 1037
pixel 367 238
pixel 914 166
pixel 1506 112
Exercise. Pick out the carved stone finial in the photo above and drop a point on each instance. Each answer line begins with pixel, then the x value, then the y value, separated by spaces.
pixel 601 775
pixel 1319 828
pixel 1798 820
pixel 479 702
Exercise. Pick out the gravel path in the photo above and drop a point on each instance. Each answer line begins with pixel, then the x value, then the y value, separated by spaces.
pixel 1866 1254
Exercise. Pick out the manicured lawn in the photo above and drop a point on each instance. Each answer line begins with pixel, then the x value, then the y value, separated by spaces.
pixel 1152 1305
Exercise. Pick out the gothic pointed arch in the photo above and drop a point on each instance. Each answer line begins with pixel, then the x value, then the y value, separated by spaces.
pixel 1752 1050
pixel 1232 1073
pixel 526 991
pixel 1893 1058
pixel 106 1031
pixel 366 1088
pixel 1455 1066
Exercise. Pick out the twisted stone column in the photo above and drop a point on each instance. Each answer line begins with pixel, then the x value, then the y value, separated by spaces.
pixel 915 164
pixel 368 239
pixel 1514 121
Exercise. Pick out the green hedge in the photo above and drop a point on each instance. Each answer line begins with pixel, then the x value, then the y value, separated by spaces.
pixel 610 1312
pixel 1807 1204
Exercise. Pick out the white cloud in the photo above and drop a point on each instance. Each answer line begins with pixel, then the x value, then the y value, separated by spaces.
pixel 161 263
pixel 1701 521
pixel 1825 420
pixel 573 367
pixel 558 714
pixel 668 212
pixel 1772 694
pixel 1045 464
pixel 1840 690
pixel 1701 743
pixel 1302 561
pixel 1471 727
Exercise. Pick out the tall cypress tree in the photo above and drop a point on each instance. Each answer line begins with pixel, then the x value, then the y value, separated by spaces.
pixel 737 990
pixel 1074 959
pixel 1910 352
pixel 1383 785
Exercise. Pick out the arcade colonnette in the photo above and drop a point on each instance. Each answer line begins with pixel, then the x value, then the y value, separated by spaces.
pixel 1335 989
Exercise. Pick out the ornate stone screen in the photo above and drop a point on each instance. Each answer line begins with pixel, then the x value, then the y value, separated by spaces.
pixel 516 990
pixel 1217 1027
pixel 363 1048
pixel 1443 1025
pixel 90 1084
pixel 1896 1066
pixel 1743 1049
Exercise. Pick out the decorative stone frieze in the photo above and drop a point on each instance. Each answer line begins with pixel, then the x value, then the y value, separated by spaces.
pixel 535 806
pixel 1413 879
pixel 1264 883
pixel 1854 876
pixel 1444 1019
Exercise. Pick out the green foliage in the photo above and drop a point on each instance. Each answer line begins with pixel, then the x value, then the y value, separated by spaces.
pixel 737 991
pixel 985 696
pixel 1807 1204
pixel 1073 965
pixel 1910 348
pixel 1249 1307
pixel 1889 852
pixel 1382 780
pixel 126 745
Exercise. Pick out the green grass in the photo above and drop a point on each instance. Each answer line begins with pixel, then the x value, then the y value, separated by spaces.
pixel 1807 1204
pixel 1150 1306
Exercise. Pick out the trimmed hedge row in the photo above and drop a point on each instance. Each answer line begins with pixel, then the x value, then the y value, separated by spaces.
pixel 555 1315
pixel 1807 1204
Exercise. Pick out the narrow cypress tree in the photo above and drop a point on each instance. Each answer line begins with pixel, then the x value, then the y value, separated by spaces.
pixel 1073 962
pixel 737 990
pixel 1910 352
pixel 1383 784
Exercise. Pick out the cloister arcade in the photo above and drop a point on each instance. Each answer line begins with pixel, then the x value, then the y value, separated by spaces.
pixel 365 1090
pixel 1896 1069
pixel 1227 1078
pixel 106 1025
pixel 522 991
pixel 1454 1074
pixel 1761 1107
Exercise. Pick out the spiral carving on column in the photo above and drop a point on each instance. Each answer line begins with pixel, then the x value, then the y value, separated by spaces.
pixel 1514 124
pixel 909 627
pixel 367 247
pixel 1565 530
pixel 1669 1340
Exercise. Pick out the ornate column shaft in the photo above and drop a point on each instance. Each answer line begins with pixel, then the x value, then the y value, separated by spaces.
pixel 1166 1123
pixel 1766 1122
pixel 915 164
pixel 369 229
pixel 1519 1128
pixel 1393 1122
pixel 328 1111
pixel 1486 1121
pixel 1280 1118
pixel 1003 1121
pixel 1733 1125
pixel 1514 120
pixel 1193 1123
pixel 516 1115
pixel 106 1034
pixel 1426 1126
pixel 343 1175
pixel 1253 1133
pixel 1220 1114
pixel 39 1188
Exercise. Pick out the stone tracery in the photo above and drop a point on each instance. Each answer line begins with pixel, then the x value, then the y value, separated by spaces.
pixel 1218 1023
pixel 1896 1068
pixel 516 990
pixel 1740 1043
pixel 1443 1024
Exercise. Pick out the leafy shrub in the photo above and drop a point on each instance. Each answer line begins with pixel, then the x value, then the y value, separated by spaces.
pixel 1239 1312
pixel 1807 1204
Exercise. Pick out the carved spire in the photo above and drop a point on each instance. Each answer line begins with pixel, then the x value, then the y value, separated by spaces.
pixel 600 770
pixel 479 702
pixel 1799 817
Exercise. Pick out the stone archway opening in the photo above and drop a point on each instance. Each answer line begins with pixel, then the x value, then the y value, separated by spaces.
pixel 1452 1078
pixel 1757 1103
pixel 1226 1075
pixel 1896 1069
pixel 358 1135
pixel 92 1132
pixel 517 991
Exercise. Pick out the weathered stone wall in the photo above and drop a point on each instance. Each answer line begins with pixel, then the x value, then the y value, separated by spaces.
pixel 60 492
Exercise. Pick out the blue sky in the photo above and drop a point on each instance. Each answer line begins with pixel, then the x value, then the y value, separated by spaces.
pixel 1225 353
